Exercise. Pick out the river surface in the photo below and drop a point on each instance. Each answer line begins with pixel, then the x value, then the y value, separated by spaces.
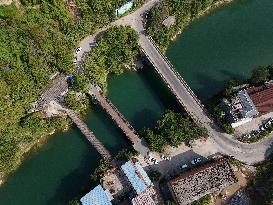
pixel 226 44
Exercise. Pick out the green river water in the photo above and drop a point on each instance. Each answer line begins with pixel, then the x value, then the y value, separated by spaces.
pixel 226 44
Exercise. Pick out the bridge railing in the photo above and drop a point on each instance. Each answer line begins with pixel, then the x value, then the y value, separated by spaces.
pixel 177 74
pixel 88 134
pixel 119 119
pixel 182 81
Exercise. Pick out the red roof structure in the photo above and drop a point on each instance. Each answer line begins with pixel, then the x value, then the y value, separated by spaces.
pixel 262 97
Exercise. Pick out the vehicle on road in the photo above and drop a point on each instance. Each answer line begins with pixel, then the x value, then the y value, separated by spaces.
pixel 262 128
pixel 75 60
pixel 154 161
pixel 78 49
pixel 184 166
pixel 196 161
pixel 165 157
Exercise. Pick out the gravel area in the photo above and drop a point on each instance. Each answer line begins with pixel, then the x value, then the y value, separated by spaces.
pixel 241 198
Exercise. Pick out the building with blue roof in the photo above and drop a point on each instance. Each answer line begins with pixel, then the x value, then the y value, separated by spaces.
pixel 96 196
pixel 136 175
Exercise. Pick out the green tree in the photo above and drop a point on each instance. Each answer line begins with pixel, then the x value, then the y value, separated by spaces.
pixel 259 76
pixel 100 170
pixel 205 200
pixel 270 70
pixel 117 50
pixel 125 155
pixel 154 175
pixel 173 129
pixel 81 83
pixel 156 142
pixel 228 128
pixel 71 101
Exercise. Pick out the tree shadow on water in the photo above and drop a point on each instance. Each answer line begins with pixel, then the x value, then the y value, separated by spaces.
pixel 144 118
pixel 156 84
pixel 76 182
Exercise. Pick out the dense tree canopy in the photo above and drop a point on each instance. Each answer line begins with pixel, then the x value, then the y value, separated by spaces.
pixel 173 129
pixel 117 49
pixel 38 38
pixel 261 74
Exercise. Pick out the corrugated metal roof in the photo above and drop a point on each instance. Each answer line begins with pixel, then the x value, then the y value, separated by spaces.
pixel 144 174
pixel 96 196
pixel 130 171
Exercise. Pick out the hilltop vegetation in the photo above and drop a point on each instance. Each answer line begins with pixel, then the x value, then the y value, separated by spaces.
pixel 184 10
pixel 117 49
pixel 36 39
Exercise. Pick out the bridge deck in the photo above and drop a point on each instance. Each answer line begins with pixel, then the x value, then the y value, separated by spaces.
pixel 175 82
pixel 116 116
pixel 88 134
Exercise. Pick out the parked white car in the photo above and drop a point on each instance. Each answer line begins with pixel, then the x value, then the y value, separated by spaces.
pixel 184 166
pixel 196 161
pixel 75 60
pixel 78 49
pixel 165 157
pixel 154 161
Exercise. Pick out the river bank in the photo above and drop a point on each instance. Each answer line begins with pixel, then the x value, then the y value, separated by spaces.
pixel 204 12
pixel 163 35
pixel 26 149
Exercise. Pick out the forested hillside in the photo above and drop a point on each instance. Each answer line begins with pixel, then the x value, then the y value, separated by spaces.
pixel 38 38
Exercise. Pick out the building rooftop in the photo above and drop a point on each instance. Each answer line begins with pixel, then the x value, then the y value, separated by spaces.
pixel 204 180
pixel 168 22
pixel 248 109
pixel 96 196
pixel 58 88
pixel 262 97
pixel 136 175
pixel 145 198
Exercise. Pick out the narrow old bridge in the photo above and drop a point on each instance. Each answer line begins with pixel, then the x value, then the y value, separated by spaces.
pixel 128 130
pixel 86 132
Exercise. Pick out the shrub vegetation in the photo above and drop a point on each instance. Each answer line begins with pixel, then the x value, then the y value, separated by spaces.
pixel 184 11
pixel 173 129
pixel 38 38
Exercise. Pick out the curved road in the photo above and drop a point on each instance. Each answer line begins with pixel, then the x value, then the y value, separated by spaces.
pixel 248 153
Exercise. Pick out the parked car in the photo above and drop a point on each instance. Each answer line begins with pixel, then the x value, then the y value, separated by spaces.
pixel 184 166
pixel 262 128
pixel 165 157
pixel 196 161
pixel 75 60
pixel 267 125
pixel 154 161
pixel 78 49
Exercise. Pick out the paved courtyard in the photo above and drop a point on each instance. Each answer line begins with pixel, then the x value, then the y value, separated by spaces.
pixel 180 156
pixel 252 125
